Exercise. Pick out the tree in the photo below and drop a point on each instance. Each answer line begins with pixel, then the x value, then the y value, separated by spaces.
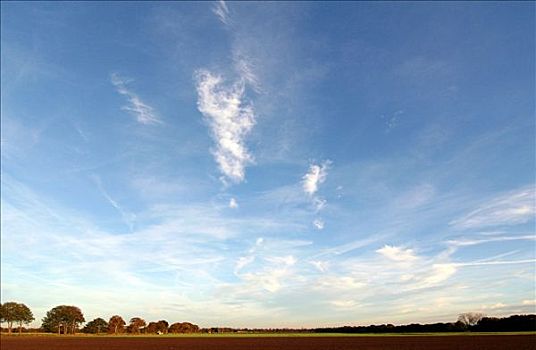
pixel 96 326
pixel 136 323
pixel 8 314
pixel 116 324
pixel 184 327
pixel 63 317
pixel 15 312
pixel 24 315
pixel 157 327
pixel 470 318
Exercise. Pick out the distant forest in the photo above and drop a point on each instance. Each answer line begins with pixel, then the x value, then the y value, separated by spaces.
pixel 514 323
pixel 65 319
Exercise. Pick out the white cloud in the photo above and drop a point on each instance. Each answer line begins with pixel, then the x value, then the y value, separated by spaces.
pixel 144 113
pixel 495 306
pixel 514 208
pixel 233 204
pixel 529 302
pixel 320 265
pixel 221 10
pixel 440 273
pixel 319 224
pixel 230 121
pixel 317 175
pixel 229 117
pixel 397 253
pixel 311 181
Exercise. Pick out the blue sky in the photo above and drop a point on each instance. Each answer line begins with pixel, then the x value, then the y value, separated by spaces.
pixel 269 164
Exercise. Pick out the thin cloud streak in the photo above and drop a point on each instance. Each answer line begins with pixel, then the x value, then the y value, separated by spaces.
pixel 221 10
pixel 511 209
pixel 499 262
pixel 144 113
pixel 128 218
pixel 469 242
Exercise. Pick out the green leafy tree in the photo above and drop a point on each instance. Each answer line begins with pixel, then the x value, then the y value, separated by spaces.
pixel 24 316
pixel 63 319
pixel 136 323
pixel 157 327
pixel 116 324
pixel 11 312
pixel 8 314
pixel 96 326
pixel 184 327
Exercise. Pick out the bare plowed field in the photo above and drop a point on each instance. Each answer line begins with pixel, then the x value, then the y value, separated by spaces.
pixel 453 342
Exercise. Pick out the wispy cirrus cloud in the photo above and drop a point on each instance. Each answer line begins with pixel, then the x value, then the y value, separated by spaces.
pixel 221 10
pixel 514 208
pixel 272 277
pixel 128 218
pixel 65 247
pixel 244 66
pixel 252 278
pixel 230 120
pixel 242 62
pixel 493 262
pixel 144 113
pixel 475 241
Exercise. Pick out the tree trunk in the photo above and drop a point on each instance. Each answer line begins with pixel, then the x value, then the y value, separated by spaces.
pixel 9 325
pixel 20 327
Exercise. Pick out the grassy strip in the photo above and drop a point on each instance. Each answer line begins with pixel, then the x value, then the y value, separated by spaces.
pixel 266 335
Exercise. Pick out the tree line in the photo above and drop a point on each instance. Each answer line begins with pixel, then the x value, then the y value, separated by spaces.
pixel 474 322
pixel 66 319
pixel 137 325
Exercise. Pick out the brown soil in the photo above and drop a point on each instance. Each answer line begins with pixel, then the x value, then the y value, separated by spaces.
pixel 454 342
